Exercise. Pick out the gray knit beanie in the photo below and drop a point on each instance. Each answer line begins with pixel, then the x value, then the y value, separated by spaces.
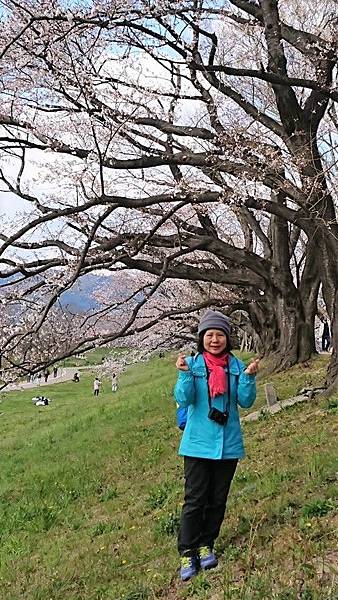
pixel 213 319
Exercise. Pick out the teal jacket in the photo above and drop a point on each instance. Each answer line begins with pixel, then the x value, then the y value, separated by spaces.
pixel 202 437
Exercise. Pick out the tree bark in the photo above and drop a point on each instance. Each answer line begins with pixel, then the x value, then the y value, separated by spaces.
pixel 265 324
pixel 329 253
pixel 325 237
pixel 296 344
pixel 332 373
pixel 285 327
pixel 287 321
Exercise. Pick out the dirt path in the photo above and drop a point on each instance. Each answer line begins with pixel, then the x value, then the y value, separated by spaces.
pixel 64 374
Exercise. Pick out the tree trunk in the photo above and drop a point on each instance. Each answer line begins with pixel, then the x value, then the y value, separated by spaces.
pixel 265 324
pixel 324 236
pixel 330 293
pixel 296 343
pixel 332 373
pixel 285 327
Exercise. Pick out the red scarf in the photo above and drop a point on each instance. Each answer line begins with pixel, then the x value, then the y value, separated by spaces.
pixel 217 378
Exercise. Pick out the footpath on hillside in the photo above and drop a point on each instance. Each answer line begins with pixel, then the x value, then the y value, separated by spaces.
pixel 64 374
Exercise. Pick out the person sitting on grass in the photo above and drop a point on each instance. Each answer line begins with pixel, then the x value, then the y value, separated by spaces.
pixel 41 401
pixel 211 385
pixel 76 377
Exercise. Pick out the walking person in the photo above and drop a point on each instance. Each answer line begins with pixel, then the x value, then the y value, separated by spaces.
pixel 96 386
pixel 326 337
pixel 114 383
pixel 211 385
pixel 46 375
pixel 55 371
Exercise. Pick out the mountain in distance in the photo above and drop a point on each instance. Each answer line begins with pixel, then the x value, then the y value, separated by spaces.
pixel 81 297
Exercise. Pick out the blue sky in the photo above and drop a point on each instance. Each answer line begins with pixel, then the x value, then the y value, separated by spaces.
pixel 10 204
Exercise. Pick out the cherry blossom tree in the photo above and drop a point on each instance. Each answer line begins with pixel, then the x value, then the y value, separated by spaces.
pixel 191 141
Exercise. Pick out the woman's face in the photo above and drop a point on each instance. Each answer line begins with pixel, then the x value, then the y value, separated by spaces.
pixel 214 341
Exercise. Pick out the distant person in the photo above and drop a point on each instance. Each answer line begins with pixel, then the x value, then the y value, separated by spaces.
pixel 41 401
pixel 55 372
pixel 114 383
pixel 212 385
pixel 76 377
pixel 96 386
pixel 39 377
pixel 46 375
pixel 326 337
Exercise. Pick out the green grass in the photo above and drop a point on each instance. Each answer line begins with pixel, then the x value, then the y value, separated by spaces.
pixel 289 383
pixel 91 490
pixel 90 358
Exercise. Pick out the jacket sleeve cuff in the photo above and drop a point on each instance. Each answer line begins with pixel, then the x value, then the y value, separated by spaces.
pixel 248 377
pixel 185 376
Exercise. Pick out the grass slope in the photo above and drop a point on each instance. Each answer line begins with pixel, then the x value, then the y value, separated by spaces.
pixel 91 489
pixel 91 358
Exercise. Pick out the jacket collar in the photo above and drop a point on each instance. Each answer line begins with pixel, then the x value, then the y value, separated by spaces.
pixel 198 366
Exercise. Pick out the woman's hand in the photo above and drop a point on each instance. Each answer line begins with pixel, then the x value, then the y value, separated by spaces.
pixel 181 363
pixel 253 367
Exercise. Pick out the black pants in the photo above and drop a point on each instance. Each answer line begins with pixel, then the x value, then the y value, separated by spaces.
pixel 207 484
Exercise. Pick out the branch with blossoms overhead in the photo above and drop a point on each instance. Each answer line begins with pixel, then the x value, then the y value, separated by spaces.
pixel 128 312
pixel 186 141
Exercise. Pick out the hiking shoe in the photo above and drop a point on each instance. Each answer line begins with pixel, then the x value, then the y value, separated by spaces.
pixel 207 558
pixel 188 567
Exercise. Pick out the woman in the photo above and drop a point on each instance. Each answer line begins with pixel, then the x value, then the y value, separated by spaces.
pixel 211 384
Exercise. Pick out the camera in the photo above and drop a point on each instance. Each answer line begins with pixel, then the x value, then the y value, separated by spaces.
pixel 218 416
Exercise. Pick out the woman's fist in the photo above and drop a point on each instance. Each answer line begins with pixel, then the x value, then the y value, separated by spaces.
pixel 180 363
pixel 253 367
